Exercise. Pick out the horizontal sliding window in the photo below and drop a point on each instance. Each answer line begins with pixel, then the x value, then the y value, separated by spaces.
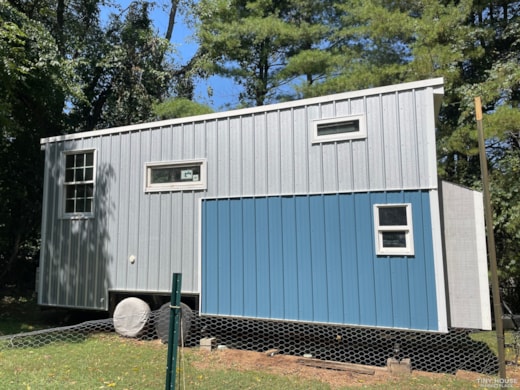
pixel 175 175
pixel 393 229
pixel 339 129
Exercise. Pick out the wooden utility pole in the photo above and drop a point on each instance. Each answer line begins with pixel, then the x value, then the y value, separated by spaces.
pixel 495 289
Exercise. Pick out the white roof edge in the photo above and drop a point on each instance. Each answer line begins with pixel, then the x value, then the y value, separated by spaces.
pixel 436 83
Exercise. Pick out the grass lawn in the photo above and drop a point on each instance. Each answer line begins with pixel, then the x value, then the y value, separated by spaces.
pixel 109 361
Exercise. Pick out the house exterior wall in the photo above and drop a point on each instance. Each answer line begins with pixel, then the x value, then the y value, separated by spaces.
pixel 252 153
pixel 465 251
pixel 311 258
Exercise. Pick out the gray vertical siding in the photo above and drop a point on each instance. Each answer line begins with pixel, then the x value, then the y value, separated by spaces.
pixel 252 152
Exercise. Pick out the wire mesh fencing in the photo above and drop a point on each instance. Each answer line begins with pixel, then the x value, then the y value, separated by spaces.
pixel 432 352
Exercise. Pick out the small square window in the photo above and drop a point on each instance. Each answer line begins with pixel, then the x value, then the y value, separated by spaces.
pixel 78 183
pixel 175 175
pixel 339 129
pixel 393 229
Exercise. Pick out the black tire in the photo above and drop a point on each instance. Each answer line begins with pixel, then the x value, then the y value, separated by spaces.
pixel 162 323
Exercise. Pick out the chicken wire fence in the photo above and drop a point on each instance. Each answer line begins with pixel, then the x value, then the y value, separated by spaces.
pixel 433 352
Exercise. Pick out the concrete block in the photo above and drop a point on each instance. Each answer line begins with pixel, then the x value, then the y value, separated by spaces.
pixel 207 344
pixel 399 367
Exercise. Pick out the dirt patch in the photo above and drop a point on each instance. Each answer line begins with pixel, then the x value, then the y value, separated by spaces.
pixel 290 365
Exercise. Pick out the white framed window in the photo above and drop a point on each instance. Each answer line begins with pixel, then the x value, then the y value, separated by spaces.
pixel 79 183
pixel 175 175
pixel 339 129
pixel 393 229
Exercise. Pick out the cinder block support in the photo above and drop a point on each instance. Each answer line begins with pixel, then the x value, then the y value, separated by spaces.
pixel 207 344
pixel 399 367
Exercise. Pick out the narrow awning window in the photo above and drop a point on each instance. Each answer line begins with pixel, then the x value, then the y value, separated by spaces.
pixel 175 175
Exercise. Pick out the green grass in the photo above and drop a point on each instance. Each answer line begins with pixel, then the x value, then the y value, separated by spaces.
pixel 490 338
pixel 108 361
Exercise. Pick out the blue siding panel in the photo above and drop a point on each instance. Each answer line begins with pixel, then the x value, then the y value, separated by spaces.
pixel 237 254
pixel 365 259
pixel 312 258
pixel 349 256
pixel 333 244
pixel 263 299
pixel 276 276
pixel 210 266
pixel 249 259
pixel 303 257
pixel 223 254
pixel 318 259
pixel 382 283
pixel 290 259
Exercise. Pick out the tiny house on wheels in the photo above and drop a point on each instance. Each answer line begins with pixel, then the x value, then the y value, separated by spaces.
pixel 323 210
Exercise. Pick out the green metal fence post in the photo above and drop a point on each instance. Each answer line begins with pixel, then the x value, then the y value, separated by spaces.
pixel 173 334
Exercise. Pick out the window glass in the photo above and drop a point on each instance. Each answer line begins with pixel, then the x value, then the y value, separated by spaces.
pixel 175 176
pixel 339 129
pixel 393 229
pixel 392 216
pixel 394 239
pixel 79 182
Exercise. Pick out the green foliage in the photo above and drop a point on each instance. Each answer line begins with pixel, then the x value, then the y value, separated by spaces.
pixel 263 45
pixel 33 83
pixel 179 108
pixel 108 361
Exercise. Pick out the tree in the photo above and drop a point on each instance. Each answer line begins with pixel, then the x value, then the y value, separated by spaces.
pixel 122 72
pixel 33 83
pixel 263 45
pixel 179 108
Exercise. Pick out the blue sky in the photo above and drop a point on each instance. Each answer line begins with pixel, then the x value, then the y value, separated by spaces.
pixel 225 92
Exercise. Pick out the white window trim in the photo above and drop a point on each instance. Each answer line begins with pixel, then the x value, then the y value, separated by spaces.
pixel 362 133
pixel 177 186
pixel 62 185
pixel 408 229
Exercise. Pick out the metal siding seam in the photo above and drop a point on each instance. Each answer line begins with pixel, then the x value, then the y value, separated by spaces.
pixel 143 261
pixel 224 251
pixel 210 259
pixel 319 259
pixel 438 261
pixel 382 275
pixel 426 306
pixel 430 133
pixel 365 260
pixel 303 230
pixel 334 259
pixel 263 288
pixel 431 279
pixel 401 137
pixel 250 258
pixel 236 257
pixel 301 150
pixel 481 249
pixel 276 276
pixel 350 257
pixel 290 259
pixel 400 281
pixel 126 249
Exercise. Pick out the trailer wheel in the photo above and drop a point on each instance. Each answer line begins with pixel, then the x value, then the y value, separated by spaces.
pixel 131 316
pixel 162 324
